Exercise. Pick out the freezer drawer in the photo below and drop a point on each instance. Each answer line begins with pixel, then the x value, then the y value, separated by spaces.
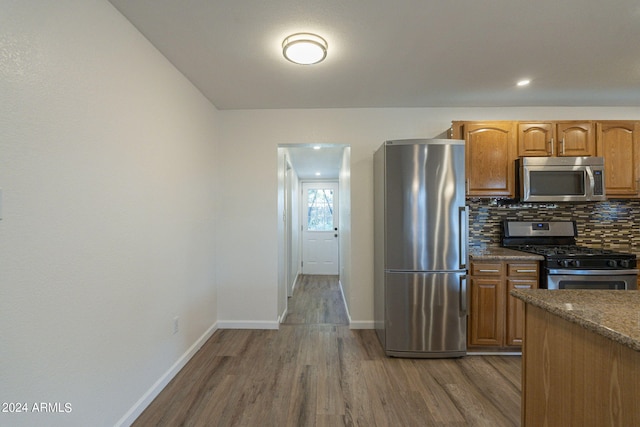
pixel 425 314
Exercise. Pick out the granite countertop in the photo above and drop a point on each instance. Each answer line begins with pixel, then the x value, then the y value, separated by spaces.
pixel 498 253
pixel 613 314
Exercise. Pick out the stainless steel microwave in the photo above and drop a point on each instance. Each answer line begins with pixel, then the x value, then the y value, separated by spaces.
pixel 561 179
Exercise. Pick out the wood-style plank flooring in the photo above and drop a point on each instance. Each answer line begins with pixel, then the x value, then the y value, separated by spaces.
pixel 315 371
pixel 316 300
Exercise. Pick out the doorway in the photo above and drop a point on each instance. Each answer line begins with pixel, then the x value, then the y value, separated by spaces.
pixel 299 165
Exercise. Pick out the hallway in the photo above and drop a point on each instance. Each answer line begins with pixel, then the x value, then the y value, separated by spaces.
pixel 315 371
pixel 316 300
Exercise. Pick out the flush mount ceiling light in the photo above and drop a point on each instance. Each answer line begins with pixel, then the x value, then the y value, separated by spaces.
pixel 524 82
pixel 304 48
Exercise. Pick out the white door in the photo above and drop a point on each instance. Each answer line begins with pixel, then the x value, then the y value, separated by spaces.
pixel 319 228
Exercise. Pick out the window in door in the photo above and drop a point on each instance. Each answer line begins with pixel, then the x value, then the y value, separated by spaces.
pixel 319 209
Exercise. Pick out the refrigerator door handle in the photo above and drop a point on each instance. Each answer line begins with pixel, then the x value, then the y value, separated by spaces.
pixel 463 219
pixel 463 295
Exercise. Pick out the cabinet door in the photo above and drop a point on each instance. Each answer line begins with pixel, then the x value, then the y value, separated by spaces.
pixel 619 144
pixel 535 139
pixel 515 310
pixel 575 139
pixel 490 155
pixel 486 311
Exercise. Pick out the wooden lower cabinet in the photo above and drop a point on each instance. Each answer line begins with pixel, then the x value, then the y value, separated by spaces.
pixel 486 305
pixel 572 376
pixel 496 319
pixel 515 311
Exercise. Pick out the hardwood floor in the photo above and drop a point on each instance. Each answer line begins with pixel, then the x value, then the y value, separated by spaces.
pixel 315 371
pixel 316 300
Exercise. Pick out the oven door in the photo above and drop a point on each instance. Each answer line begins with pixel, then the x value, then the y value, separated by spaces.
pixel 592 279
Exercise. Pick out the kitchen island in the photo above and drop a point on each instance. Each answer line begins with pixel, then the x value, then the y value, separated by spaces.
pixel 581 358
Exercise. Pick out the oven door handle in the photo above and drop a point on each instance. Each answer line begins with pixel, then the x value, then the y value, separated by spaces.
pixel 577 272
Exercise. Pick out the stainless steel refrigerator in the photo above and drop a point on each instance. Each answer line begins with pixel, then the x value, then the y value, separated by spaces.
pixel 420 248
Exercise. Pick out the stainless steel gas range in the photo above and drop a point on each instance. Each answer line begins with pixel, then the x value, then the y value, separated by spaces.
pixel 567 265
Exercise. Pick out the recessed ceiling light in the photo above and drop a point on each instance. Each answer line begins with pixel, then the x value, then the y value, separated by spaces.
pixel 316 147
pixel 304 48
pixel 318 173
pixel 524 82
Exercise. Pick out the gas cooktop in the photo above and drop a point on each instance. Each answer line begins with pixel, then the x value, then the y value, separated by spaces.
pixel 556 241
pixel 567 250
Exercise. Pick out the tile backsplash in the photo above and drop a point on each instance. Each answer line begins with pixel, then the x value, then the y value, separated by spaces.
pixel 610 224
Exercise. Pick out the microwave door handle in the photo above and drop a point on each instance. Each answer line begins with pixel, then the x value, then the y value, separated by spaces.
pixel 526 189
pixel 592 182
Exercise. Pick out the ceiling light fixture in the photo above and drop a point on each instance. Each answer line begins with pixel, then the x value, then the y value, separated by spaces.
pixel 304 48
pixel 524 82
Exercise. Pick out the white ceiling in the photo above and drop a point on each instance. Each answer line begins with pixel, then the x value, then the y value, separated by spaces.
pixel 317 164
pixel 401 53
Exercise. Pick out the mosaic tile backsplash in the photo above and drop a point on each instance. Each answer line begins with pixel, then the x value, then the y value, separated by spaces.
pixel 610 224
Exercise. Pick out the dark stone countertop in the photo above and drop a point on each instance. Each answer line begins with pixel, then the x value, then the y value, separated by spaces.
pixel 498 253
pixel 613 314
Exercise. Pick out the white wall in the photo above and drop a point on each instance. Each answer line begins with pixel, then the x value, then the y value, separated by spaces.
pixel 288 228
pixel 345 225
pixel 107 169
pixel 250 167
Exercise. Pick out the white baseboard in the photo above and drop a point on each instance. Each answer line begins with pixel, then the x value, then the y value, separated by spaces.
pixel 364 324
pixel 260 324
pixel 295 282
pixel 283 315
pixel 162 382
pixel 344 300
pixel 368 324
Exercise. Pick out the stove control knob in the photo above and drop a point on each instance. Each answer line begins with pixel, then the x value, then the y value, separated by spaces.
pixel 624 263
pixel 611 263
pixel 566 263
pixel 576 263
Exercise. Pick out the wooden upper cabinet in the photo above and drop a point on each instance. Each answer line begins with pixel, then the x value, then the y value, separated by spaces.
pixel 490 156
pixel 535 139
pixel 619 143
pixel 546 139
pixel 575 139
